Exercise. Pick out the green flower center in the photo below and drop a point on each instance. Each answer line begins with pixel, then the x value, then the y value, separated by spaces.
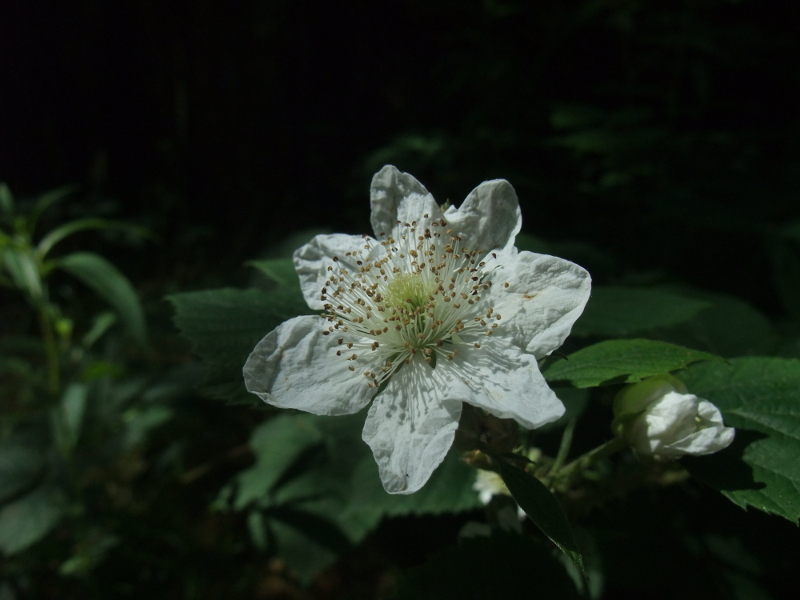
pixel 408 291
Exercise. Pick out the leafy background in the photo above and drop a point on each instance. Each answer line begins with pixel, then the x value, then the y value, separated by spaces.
pixel 656 144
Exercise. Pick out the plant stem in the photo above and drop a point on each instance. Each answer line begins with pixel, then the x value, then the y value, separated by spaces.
pixel 51 349
pixel 587 460
pixel 566 443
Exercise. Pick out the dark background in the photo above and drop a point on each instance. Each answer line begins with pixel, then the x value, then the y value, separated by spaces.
pixel 655 143
pixel 663 134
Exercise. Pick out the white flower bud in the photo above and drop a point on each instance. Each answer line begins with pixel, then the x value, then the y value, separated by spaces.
pixel 658 417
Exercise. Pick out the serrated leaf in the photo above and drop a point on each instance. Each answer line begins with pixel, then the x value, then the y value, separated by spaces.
pixel 28 519
pixel 542 508
pixel 620 311
pixel 759 397
pixel 622 361
pixel 228 322
pixel 108 282
pixel 225 326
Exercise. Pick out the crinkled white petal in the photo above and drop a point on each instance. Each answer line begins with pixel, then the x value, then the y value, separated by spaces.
pixel 544 298
pixel 396 196
pixel 709 413
pixel 667 420
pixel 504 381
pixel 411 426
pixel 712 436
pixel 678 424
pixel 295 366
pixel 312 260
pixel 489 218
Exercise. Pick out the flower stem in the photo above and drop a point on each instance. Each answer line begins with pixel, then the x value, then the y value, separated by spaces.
pixel 566 443
pixel 51 349
pixel 585 461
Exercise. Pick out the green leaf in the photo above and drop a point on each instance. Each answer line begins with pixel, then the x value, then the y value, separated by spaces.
pixel 101 324
pixel 758 396
pixel 68 416
pixel 298 487
pixel 28 519
pixel 109 283
pixel 619 311
pixel 303 553
pixel 449 490
pixel 319 467
pixel 24 271
pixel 228 322
pixel 279 270
pixel 275 444
pixel 47 200
pixel 59 233
pixel 6 201
pixel 622 361
pixel 711 330
pixel 225 326
pixel 542 508
pixel 21 465
pixel 500 566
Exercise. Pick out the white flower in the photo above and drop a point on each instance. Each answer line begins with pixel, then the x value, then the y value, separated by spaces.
pixel 436 310
pixel 489 484
pixel 658 417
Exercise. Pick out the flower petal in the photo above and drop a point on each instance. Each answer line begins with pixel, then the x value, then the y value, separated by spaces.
pixel 544 298
pixel 665 421
pixel 411 426
pixel 504 381
pixel 489 218
pixel 295 366
pixel 396 196
pixel 312 260
pixel 711 437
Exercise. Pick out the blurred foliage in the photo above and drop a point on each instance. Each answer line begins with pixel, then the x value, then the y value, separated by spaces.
pixel 653 143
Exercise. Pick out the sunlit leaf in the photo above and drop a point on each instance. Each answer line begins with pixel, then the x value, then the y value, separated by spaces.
pixel 758 396
pixel 622 361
